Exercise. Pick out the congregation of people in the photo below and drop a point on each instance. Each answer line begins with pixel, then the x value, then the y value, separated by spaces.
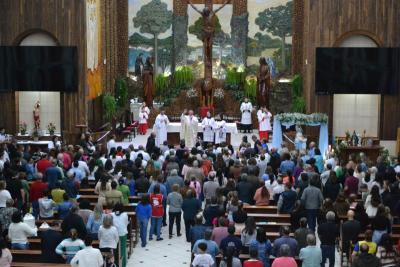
pixel 207 185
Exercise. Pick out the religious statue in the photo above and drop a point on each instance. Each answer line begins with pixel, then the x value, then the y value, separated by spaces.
pixel 36 116
pixel 148 82
pixel 139 65
pixel 300 141
pixel 209 19
pixel 263 84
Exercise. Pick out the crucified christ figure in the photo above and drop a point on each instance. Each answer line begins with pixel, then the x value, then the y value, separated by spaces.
pixel 208 15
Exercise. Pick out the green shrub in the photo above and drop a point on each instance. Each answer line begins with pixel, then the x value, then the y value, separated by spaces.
pixel 162 85
pixel 110 106
pixel 250 89
pixel 183 76
pixel 121 92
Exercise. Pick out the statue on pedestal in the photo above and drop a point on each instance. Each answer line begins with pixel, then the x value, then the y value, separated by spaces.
pixel 36 116
pixel 148 82
pixel 263 84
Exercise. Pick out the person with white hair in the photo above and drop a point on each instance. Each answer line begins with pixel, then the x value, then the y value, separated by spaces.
pixel 190 128
pixel 328 232
pixel 172 179
pixel 311 255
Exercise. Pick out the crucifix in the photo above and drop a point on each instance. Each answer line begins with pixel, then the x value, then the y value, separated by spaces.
pixel 209 18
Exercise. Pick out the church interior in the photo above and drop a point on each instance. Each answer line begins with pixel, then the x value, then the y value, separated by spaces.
pixel 267 131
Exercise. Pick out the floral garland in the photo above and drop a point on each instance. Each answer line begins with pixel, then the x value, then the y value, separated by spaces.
pixel 191 93
pixel 299 118
pixel 219 93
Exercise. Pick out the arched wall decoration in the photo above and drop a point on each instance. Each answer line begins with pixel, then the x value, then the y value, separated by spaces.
pixel 348 34
pixel 32 31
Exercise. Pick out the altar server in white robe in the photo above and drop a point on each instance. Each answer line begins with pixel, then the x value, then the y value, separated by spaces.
pixel 246 109
pixel 220 131
pixel 264 123
pixel 161 125
pixel 208 125
pixel 190 130
pixel 181 133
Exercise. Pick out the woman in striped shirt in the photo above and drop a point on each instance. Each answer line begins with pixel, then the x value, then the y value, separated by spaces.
pixel 70 246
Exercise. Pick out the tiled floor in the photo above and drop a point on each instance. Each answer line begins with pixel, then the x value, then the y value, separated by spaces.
pixel 173 252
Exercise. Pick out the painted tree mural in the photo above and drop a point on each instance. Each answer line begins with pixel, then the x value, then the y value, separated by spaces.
pixel 153 18
pixel 278 22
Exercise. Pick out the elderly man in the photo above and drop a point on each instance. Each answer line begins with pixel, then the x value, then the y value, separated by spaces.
pixel 328 232
pixel 311 255
pixel 172 179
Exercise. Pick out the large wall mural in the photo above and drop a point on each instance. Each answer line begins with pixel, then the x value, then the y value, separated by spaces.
pixel 269 36
pixel 94 48
pixel 270 33
pixel 150 30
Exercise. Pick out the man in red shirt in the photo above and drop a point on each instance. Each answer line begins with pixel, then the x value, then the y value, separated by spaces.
pixel 36 192
pixel 43 164
pixel 157 212
pixel 351 183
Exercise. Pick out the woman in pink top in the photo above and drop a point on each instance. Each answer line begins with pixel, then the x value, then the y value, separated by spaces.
pixel 5 254
pixel 284 259
pixel 261 197
pixel 196 186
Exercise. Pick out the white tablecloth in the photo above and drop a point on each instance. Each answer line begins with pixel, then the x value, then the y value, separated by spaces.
pixel 175 127
pixel 48 143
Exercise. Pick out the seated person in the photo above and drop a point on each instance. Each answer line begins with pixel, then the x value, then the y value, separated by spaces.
pixel 46 206
pixel 70 246
pixel 18 232
pixel 64 207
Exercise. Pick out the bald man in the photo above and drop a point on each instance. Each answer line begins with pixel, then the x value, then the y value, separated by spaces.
pixel 350 229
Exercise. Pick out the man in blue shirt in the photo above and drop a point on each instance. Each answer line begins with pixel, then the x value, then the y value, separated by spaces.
pixel 212 247
pixel 231 241
pixel 79 175
pixel 285 239
pixel 287 165
pixel 52 175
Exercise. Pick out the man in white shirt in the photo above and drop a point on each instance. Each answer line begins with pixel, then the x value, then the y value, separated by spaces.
pixel 111 143
pixel 246 108
pixel 88 256
pixel 160 128
pixel 208 124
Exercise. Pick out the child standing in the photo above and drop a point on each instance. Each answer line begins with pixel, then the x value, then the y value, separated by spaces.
pixel 143 117
pixel 143 213
pixel 157 213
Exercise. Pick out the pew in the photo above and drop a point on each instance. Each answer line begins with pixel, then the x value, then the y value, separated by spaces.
pixel 34 264
pixel 260 209
pixel 264 217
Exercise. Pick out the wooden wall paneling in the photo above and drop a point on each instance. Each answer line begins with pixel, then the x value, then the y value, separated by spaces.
pixel 65 20
pixel 325 22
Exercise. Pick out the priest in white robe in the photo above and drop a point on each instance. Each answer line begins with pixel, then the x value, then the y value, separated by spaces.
pixel 181 133
pixel 246 108
pixel 208 125
pixel 190 129
pixel 160 126
pixel 264 123
pixel 220 132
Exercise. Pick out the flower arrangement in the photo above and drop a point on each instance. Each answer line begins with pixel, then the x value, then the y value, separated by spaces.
pixel 299 118
pixel 51 127
pixel 22 128
pixel 219 93
pixel 191 93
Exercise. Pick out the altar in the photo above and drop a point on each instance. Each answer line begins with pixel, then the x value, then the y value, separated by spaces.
pixel 174 129
pixel 372 152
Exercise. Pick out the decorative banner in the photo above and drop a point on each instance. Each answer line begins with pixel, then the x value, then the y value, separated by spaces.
pixel 93 48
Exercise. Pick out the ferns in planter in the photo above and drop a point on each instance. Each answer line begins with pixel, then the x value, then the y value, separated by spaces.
pixel 298 101
pixel 162 84
pixel 183 76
